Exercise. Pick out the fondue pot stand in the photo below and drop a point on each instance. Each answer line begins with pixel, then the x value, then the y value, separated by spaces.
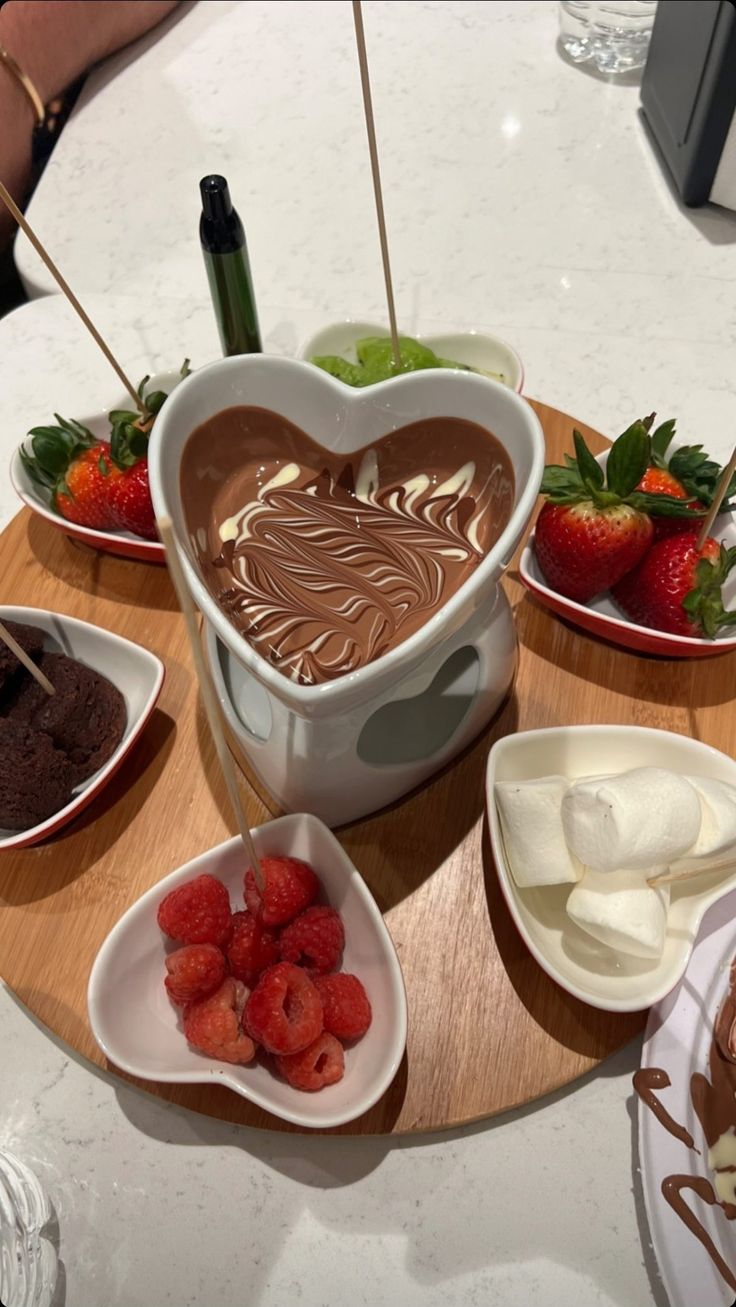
pixel 344 748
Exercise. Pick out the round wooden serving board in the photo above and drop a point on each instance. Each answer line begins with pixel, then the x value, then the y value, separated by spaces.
pixel 487 1029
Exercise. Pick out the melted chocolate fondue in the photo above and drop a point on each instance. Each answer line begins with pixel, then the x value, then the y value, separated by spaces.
pixel 326 561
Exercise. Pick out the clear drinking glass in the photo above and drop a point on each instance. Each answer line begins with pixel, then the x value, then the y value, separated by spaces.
pixel 28 1264
pixel 615 34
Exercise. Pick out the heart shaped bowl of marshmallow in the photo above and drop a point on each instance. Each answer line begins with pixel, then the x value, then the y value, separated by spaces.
pixel 610 844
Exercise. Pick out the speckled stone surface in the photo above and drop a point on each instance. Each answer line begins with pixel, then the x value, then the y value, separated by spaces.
pixel 522 197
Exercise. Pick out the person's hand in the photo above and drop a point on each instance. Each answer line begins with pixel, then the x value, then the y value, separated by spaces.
pixel 54 42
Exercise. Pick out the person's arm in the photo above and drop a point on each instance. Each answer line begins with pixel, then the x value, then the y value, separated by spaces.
pixel 55 42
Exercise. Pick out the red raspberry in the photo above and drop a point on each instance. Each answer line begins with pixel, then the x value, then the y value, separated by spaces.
pixel 251 949
pixel 314 940
pixel 194 972
pixel 347 1009
pixel 322 1063
pixel 284 1012
pixel 213 1024
pixel 290 887
pixel 198 912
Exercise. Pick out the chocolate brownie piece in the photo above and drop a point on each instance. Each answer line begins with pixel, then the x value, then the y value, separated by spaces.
pixel 85 718
pixel 36 779
pixel 30 639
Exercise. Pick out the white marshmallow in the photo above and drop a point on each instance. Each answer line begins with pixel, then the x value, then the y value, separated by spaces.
pixel 532 830
pixel 716 841
pixel 639 820
pixel 621 910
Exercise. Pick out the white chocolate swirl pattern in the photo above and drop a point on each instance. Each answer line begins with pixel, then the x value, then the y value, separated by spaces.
pixel 324 568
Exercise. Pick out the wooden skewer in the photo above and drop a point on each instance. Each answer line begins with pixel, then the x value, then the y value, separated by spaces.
pixel 23 658
pixel 719 496
pixel 186 604
pixel 676 877
pixel 373 151
pixel 43 254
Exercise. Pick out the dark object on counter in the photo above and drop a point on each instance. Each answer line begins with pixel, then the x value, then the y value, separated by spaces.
pixel 228 270
pixel 85 718
pixel 36 779
pixel 688 96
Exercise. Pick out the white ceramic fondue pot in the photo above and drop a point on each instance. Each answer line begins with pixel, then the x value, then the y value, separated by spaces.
pixel 344 748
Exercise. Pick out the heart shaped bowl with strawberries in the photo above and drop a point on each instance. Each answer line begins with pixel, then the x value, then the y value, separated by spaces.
pixel 138 1028
pixel 38 494
pixel 602 615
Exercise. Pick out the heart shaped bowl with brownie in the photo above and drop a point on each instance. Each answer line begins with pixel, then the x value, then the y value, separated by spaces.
pixel 615 547
pixel 58 751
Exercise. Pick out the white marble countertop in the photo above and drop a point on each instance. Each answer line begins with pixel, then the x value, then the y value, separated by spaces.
pixel 522 196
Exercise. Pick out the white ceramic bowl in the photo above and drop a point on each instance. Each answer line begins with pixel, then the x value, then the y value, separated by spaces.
pixel 346 419
pixel 123 543
pixel 596 974
pixel 603 617
pixel 138 1028
pixel 476 349
pixel 137 673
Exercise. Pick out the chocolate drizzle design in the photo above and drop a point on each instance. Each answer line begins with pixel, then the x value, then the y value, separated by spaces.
pixel 323 561
pixel 714 1101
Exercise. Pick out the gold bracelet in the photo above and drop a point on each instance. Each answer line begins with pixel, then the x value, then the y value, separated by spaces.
pixel 24 80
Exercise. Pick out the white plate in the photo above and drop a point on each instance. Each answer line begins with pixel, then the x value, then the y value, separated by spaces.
pixel 137 673
pixel 678 1039
pixel 138 1028
pixel 592 972
pixel 476 349
pixel 123 543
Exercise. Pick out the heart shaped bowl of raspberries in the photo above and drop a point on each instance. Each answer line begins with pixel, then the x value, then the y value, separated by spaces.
pixel 58 751
pixel 89 477
pixel 292 997
pixel 614 549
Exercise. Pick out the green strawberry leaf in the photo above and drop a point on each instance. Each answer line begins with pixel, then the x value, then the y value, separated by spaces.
pixel 35 471
pixel 155 401
pixel 661 440
pixel 128 444
pixel 565 481
pixel 590 471
pixel 664 506
pixel 704 603
pixel 185 370
pixel 628 459
pixel 142 385
pixel 82 434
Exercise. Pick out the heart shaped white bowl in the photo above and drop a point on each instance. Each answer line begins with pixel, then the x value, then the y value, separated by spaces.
pixel 138 1028
pixel 476 349
pixel 347 420
pixel 588 970
pixel 137 673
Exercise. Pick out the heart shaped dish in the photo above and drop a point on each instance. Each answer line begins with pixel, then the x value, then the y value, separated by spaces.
pixel 337 423
pixel 122 543
pixel 602 616
pixel 137 1027
pixel 136 672
pixel 591 971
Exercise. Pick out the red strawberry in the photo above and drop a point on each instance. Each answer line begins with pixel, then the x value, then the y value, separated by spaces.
pixel 252 948
pixel 284 1012
pixel 289 887
pixel 194 972
pixel 212 1025
pixel 82 495
pixel 660 481
pixel 583 549
pixel 130 501
pixel 197 912
pixel 596 526
pixel 677 588
pixel 322 1063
